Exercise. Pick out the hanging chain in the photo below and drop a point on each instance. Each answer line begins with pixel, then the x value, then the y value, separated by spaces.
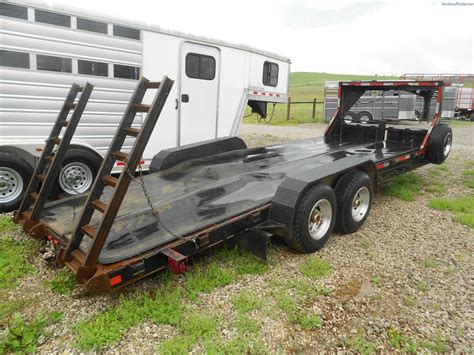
pixel 141 182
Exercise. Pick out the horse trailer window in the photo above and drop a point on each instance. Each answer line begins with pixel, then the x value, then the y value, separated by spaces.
pixel 92 26
pixel 50 63
pixel 270 74
pixel 13 11
pixel 14 59
pixel 92 68
pixel 126 72
pixel 199 66
pixel 126 32
pixel 52 18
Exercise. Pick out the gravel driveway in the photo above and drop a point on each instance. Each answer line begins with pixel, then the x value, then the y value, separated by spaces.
pixel 403 281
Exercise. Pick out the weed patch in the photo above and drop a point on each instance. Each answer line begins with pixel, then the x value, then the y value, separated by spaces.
pixel 399 341
pixel 63 282
pixel 7 224
pixel 22 336
pixel 14 255
pixel 463 208
pixel 428 263
pixel 290 307
pixel 407 187
pixel 360 344
pixel 246 302
pixel 316 267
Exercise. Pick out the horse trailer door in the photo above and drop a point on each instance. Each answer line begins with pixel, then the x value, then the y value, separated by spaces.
pixel 198 93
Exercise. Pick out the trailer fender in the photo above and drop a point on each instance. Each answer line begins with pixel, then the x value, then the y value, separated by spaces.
pixel 170 157
pixel 30 158
pixel 293 188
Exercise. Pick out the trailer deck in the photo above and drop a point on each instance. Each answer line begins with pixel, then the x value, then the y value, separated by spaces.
pixel 220 191
pixel 206 191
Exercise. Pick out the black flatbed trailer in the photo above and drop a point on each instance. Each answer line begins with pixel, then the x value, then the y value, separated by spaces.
pixel 222 191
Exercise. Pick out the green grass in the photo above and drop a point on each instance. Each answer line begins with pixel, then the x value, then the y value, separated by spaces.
pixel 289 305
pixel 410 301
pixel 305 86
pixel 463 208
pixel 14 255
pixel 408 344
pixel 62 283
pixel 428 263
pixel 315 267
pixel 246 325
pixel 7 224
pixel 22 336
pixel 360 344
pixel 245 302
pixel 422 286
pixel 10 308
pixel 166 305
pixel 376 280
pixel 405 187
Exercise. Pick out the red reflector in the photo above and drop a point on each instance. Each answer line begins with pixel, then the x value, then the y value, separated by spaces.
pixel 120 163
pixel 50 237
pixel 39 149
pixel 380 166
pixel 255 92
pixel 115 280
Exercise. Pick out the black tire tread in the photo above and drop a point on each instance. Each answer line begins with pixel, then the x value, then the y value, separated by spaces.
pixel 344 184
pixel 435 143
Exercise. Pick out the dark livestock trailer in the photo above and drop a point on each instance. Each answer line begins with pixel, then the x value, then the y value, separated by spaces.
pixel 196 196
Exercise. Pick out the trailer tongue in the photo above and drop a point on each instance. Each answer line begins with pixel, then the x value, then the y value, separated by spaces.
pixel 299 190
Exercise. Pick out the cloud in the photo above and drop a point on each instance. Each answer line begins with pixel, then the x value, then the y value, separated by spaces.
pixel 307 16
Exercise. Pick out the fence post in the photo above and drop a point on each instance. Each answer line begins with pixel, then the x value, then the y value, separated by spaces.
pixel 288 109
pixel 314 108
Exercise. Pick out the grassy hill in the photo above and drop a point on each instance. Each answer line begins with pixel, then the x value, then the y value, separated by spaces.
pixel 305 86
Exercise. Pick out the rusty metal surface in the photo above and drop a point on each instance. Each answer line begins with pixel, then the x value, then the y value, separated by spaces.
pixel 196 194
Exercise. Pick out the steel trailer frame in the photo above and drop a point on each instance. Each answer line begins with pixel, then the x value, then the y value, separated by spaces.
pixel 253 228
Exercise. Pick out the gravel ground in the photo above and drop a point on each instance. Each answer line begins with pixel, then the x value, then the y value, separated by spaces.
pixel 379 278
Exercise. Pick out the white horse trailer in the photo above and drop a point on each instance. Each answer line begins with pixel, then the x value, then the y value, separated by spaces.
pixel 45 48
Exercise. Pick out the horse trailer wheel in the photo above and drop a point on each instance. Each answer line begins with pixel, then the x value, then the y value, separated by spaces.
pixel 15 173
pixel 364 117
pixel 350 116
pixel 78 171
pixel 354 193
pixel 314 219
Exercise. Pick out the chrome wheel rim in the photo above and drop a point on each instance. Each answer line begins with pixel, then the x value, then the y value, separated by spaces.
pixel 364 118
pixel 319 219
pixel 360 204
pixel 75 178
pixel 11 184
pixel 348 118
pixel 448 141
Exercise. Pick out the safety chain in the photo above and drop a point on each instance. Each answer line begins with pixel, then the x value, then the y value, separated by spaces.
pixel 141 182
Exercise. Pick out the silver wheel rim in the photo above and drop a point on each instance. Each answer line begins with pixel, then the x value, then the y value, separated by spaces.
pixel 447 144
pixel 360 204
pixel 319 219
pixel 11 184
pixel 364 118
pixel 75 178
pixel 348 118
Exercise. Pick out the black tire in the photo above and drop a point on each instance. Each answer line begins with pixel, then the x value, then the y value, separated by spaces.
pixel 301 239
pixel 84 158
pixel 9 162
pixel 417 115
pixel 439 144
pixel 350 116
pixel 348 186
pixel 472 117
pixel 361 117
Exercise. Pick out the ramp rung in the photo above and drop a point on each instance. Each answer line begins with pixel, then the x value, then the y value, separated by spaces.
pixel 64 123
pixel 120 156
pixel 89 230
pixel 80 88
pixel 56 140
pixel 71 106
pixel 99 205
pixel 34 195
pixel 50 158
pixel 41 177
pixel 109 180
pixel 132 131
pixel 141 107
pixel 152 85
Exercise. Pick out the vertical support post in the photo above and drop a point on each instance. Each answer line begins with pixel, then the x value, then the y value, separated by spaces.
pixel 314 108
pixel 288 110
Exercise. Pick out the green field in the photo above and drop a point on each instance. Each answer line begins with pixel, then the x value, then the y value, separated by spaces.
pixel 304 87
